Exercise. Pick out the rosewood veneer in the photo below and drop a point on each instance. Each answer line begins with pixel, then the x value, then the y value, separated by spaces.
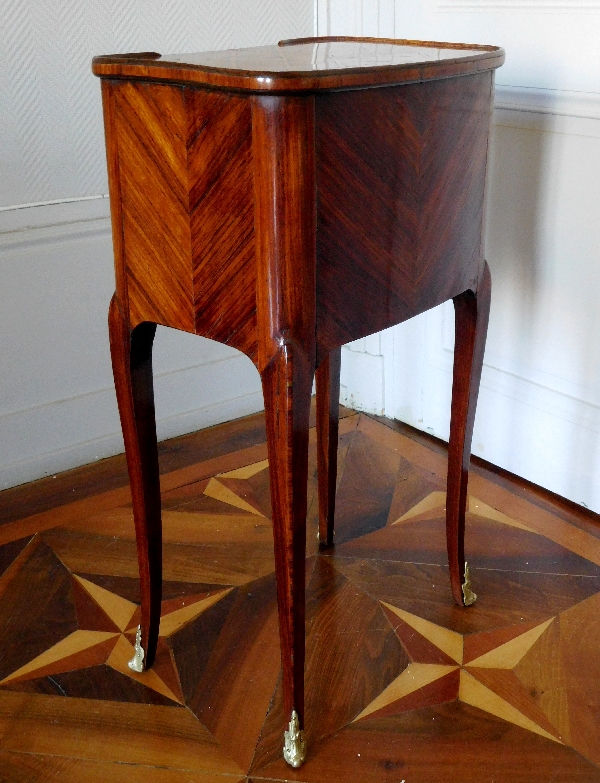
pixel 286 200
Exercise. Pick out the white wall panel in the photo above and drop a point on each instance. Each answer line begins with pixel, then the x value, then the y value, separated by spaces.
pixel 51 133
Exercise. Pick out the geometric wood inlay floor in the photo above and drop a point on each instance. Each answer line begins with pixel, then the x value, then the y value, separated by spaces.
pixel 401 684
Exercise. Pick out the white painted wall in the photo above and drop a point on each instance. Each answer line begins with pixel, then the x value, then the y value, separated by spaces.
pixel 539 408
pixel 57 404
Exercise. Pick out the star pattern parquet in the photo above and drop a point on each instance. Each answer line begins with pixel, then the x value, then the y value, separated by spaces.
pixel 401 683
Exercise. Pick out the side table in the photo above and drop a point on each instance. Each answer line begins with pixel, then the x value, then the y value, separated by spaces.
pixel 286 200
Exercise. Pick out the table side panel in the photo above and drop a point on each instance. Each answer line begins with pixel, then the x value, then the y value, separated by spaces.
pixel 221 200
pixel 401 182
pixel 151 134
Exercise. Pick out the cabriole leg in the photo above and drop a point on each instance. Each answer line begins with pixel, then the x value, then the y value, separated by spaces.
pixel 283 155
pixel 287 382
pixel 131 353
pixel 328 399
pixel 471 319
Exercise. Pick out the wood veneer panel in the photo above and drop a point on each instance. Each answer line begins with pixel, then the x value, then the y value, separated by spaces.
pixel 352 649
pixel 366 488
pixel 73 512
pixel 580 540
pixel 242 672
pixel 502 693
pixel 185 527
pixel 9 553
pixel 489 543
pixel 151 130
pixel 542 672
pixel 358 657
pixel 219 150
pixel 226 564
pixel 416 154
pixel 511 597
pixel 580 658
pixel 556 505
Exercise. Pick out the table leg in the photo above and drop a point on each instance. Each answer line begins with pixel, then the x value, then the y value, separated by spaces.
pixel 131 353
pixel 287 382
pixel 471 318
pixel 283 156
pixel 328 408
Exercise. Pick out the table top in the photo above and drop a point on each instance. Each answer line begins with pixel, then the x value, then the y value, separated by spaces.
pixel 308 64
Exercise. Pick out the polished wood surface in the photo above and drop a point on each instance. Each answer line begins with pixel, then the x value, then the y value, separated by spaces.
pixel 131 353
pixel 327 379
pixel 312 64
pixel 416 157
pixel 400 682
pixel 472 312
pixel 286 225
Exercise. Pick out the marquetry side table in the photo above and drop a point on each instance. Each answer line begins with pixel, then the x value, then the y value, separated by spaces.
pixel 286 200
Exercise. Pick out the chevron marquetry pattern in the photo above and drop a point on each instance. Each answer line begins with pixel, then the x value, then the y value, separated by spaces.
pixel 222 217
pixel 418 160
pixel 151 138
pixel 185 178
pixel 400 184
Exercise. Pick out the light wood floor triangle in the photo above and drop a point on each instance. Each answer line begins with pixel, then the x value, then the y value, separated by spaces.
pixel 508 655
pixel 413 678
pixel 74 643
pixel 437 500
pixel 472 692
pixel 122 653
pixel 448 641
pixel 174 621
pixel 118 609
pixel 434 500
pixel 476 506
pixel 247 471
pixel 214 489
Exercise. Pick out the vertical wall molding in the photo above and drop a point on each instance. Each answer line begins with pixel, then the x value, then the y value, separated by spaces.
pixel 374 18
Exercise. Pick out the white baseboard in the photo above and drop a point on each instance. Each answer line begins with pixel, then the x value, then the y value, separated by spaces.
pixel 97 440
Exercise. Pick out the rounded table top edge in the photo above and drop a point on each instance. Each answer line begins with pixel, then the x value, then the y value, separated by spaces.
pixel 151 67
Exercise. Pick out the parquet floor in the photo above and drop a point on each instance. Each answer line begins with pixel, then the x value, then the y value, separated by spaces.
pixel 402 685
